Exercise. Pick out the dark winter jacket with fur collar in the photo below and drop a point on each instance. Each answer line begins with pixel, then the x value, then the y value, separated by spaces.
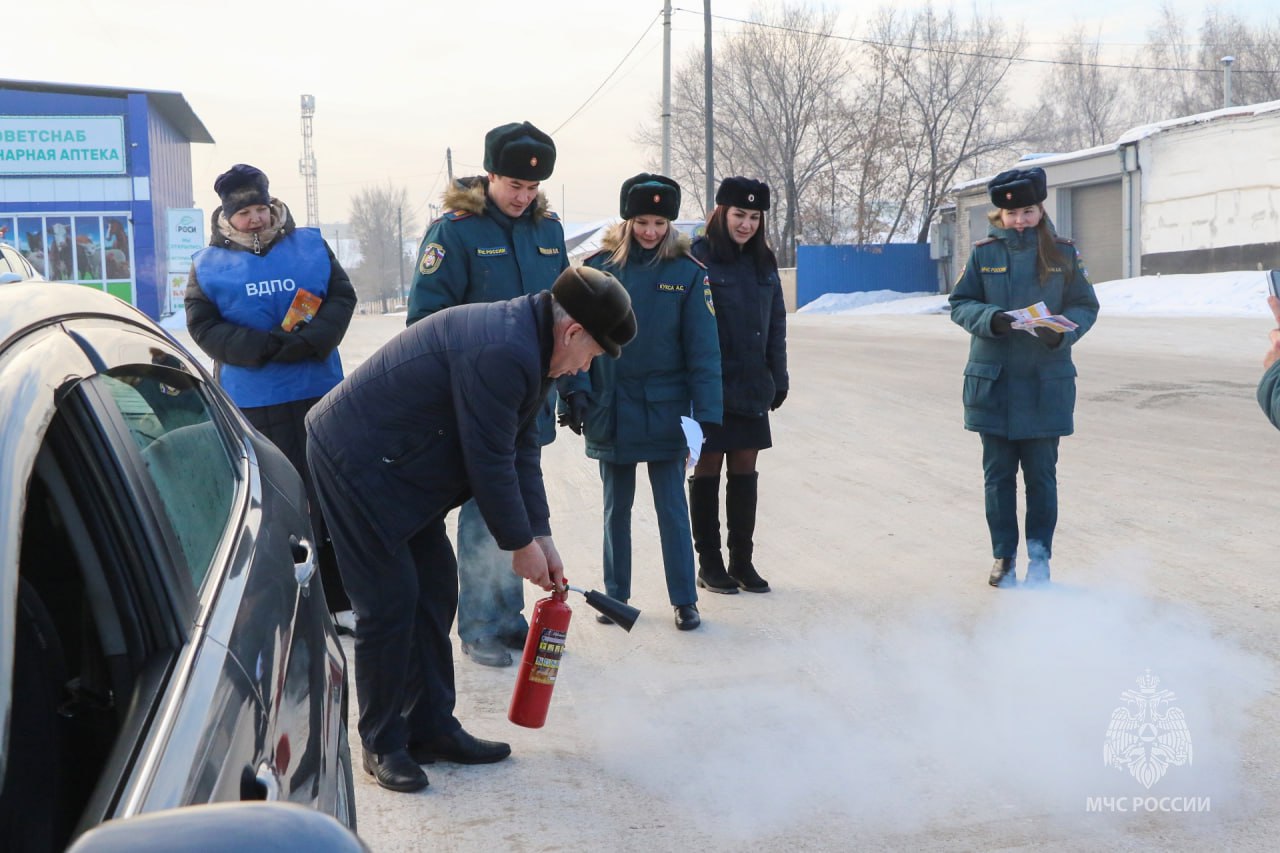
pixel 476 253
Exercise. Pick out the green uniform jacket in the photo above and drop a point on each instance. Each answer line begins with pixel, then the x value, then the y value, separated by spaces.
pixel 1269 393
pixel 1015 386
pixel 475 253
pixel 672 368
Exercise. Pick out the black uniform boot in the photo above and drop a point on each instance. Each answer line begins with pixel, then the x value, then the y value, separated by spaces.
pixel 1002 573
pixel 740 513
pixel 704 517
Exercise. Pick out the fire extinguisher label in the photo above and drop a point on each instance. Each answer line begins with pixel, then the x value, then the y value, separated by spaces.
pixel 547 662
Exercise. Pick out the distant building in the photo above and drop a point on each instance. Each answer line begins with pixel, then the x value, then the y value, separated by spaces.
pixel 95 187
pixel 1188 195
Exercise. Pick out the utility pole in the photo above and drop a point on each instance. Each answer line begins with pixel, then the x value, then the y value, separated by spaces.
pixel 706 86
pixel 1226 80
pixel 448 158
pixel 400 250
pixel 666 87
pixel 307 165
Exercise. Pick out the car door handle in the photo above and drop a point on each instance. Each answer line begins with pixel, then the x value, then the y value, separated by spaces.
pixel 304 562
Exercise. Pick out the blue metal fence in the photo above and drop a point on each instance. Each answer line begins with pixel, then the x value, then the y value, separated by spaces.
pixel 904 267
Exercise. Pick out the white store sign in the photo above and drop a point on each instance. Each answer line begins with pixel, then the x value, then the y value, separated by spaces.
pixel 62 145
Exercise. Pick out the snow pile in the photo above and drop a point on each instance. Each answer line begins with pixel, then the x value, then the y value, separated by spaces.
pixel 1241 293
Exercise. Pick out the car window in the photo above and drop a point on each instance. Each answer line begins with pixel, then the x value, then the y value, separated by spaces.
pixel 185 455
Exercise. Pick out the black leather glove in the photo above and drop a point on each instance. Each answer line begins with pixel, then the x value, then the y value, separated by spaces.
pixel 293 347
pixel 778 397
pixel 1001 323
pixel 1049 337
pixel 575 412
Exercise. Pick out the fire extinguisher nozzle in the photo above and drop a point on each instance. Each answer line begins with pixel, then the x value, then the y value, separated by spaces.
pixel 622 614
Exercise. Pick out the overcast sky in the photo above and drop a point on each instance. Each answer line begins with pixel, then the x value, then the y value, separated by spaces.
pixel 397 82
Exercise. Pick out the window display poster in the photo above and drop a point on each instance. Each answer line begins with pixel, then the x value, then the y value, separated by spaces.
pixel 30 242
pixel 88 248
pixel 115 243
pixel 7 232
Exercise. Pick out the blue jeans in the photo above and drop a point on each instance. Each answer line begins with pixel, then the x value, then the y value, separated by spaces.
pixel 490 595
pixel 666 479
pixel 1039 460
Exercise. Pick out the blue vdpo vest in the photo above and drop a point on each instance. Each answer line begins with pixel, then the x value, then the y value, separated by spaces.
pixel 256 291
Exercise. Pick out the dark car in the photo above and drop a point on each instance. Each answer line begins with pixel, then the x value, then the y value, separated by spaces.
pixel 164 639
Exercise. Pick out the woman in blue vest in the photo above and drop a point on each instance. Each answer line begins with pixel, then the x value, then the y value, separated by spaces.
pixel 241 288
pixel 631 411
pixel 752 322
pixel 1020 385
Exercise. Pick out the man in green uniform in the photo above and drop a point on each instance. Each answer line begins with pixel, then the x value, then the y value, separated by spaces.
pixel 496 240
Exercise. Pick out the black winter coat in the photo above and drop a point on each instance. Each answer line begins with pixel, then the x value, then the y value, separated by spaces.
pixel 445 411
pixel 230 343
pixel 752 320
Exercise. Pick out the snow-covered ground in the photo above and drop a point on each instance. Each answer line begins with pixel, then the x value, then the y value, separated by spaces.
pixel 1228 294
pixel 883 697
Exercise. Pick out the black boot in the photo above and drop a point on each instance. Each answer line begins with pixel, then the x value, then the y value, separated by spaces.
pixel 704 517
pixel 740 513
pixel 1002 573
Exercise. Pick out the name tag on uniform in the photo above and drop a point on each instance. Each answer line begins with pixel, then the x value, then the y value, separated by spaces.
pixel 671 288
pixel 489 253
pixel 994 269
pixel 544 250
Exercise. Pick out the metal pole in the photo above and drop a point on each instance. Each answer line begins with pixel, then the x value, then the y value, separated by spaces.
pixel 706 85
pixel 1226 80
pixel 666 87
pixel 448 156
pixel 400 250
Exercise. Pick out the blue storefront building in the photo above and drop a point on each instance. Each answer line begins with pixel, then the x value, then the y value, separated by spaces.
pixel 94 181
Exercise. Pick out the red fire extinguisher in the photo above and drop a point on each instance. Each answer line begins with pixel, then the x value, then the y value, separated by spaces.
pixel 536 677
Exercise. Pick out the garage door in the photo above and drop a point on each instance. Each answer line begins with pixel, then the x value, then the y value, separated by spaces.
pixel 1096 228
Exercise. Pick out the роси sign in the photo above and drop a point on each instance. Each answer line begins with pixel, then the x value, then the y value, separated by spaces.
pixel 62 145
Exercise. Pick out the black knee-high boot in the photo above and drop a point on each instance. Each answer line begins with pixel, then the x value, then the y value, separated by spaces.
pixel 704 518
pixel 740 513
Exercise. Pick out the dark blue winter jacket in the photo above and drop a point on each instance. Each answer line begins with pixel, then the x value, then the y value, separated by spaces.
pixel 752 322
pixel 443 412
pixel 1016 385
pixel 672 368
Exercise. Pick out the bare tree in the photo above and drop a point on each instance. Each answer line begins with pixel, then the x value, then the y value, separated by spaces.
pixel 780 115
pixel 379 216
pixel 1082 104
pixel 1185 79
pixel 950 78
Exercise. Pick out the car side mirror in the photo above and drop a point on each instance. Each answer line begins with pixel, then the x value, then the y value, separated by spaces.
pixel 249 827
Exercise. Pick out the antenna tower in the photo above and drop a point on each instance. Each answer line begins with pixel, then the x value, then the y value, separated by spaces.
pixel 307 165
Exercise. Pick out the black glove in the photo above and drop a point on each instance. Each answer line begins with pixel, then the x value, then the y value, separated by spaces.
pixel 778 397
pixel 1001 323
pixel 1049 337
pixel 293 347
pixel 575 411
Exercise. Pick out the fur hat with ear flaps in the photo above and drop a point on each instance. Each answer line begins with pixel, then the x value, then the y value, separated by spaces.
pixel 520 151
pixel 600 303
pixel 745 193
pixel 241 186
pixel 649 195
pixel 1018 188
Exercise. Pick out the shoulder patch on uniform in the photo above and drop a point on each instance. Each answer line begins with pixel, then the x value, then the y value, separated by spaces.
pixel 706 294
pixel 690 256
pixel 551 214
pixel 432 257
pixel 455 215
pixel 984 241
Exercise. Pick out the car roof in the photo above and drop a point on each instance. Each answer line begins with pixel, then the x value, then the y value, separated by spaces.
pixel 24 305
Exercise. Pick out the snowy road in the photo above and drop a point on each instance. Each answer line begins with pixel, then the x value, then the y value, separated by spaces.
pixel 883 696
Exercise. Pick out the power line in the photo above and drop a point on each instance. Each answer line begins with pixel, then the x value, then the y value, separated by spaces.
pixel 950 52
pixel 610 75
